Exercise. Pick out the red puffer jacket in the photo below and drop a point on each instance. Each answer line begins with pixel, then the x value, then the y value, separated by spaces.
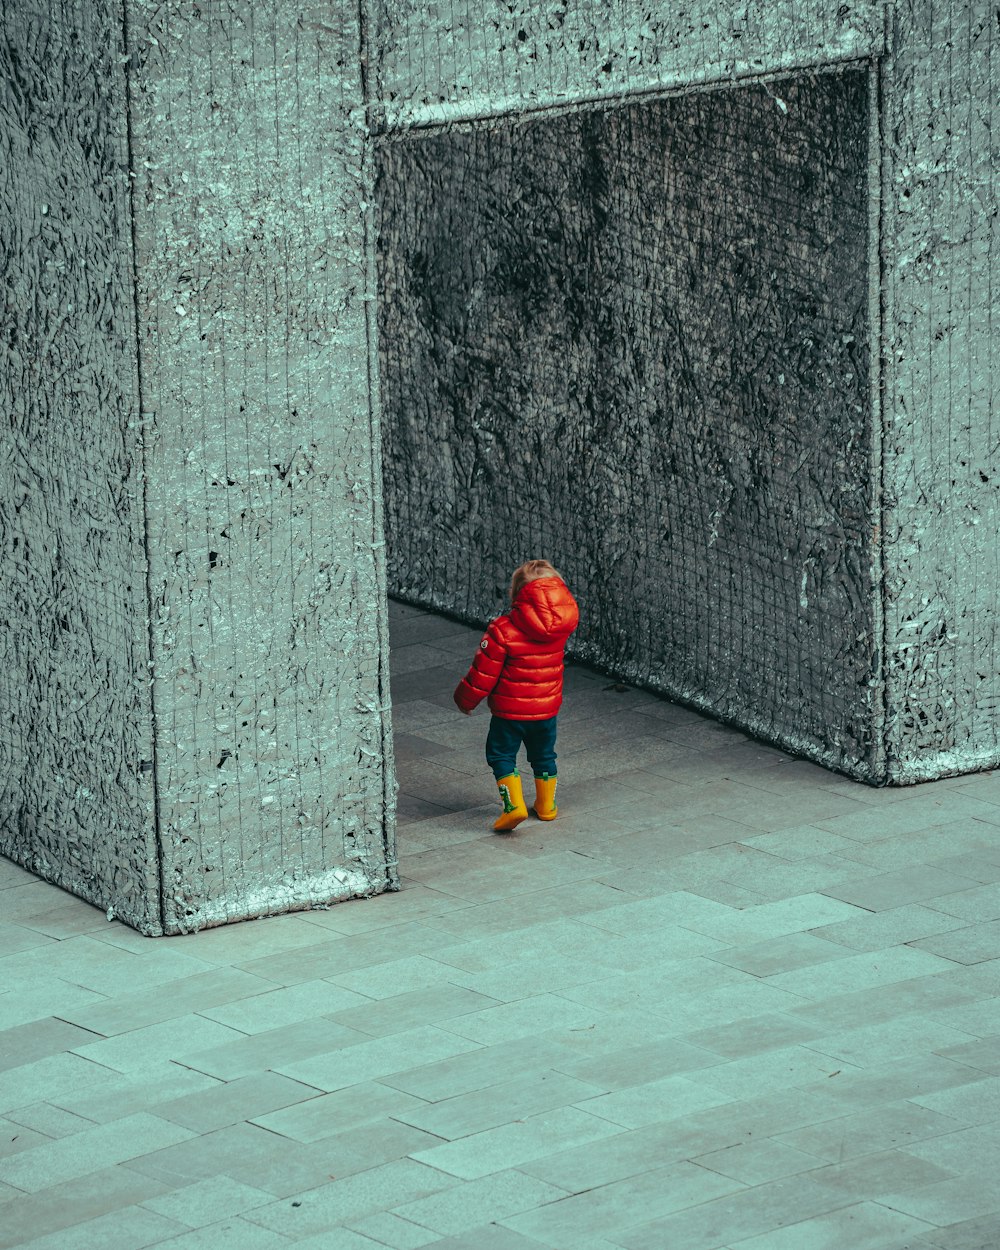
pixel 519 663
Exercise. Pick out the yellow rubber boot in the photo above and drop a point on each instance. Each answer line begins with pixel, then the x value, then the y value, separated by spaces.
pixel 512 798
pixel 545 798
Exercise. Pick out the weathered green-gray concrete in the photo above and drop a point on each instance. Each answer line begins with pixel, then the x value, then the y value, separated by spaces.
pixel 264 733
pixel 76 792
pixel 264 507
pixel 910 690
pixel 941 464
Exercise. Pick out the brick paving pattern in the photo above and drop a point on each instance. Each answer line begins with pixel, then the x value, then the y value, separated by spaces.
pixel 727 1001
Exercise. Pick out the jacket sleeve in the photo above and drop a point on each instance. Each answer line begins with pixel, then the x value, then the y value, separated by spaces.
pixel 485 671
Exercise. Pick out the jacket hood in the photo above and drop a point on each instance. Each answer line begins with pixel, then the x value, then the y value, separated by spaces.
pixel 545 610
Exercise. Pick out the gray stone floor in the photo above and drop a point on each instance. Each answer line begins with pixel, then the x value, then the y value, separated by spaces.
pixel 726 1000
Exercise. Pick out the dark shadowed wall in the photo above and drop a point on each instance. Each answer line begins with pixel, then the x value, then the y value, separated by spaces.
pixel 635 342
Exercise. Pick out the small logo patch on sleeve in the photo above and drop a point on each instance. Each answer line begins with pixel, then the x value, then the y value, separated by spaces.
pixel 485 643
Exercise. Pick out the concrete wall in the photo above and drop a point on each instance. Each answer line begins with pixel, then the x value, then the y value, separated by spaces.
pixel 204 511
pixel 913 693
pixel 940 282
pixel 76 792
pixel 274 767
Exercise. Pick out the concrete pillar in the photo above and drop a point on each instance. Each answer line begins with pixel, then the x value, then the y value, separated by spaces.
pixel 199 729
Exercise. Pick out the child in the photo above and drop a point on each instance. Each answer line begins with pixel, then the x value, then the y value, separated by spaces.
pixel 519 664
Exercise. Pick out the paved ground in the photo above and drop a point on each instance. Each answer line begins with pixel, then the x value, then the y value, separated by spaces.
pixel 728 999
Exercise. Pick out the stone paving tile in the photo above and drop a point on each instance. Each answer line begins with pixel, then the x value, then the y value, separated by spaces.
pixel 981 903
pixel 975 944
pixel 920 995
pixel 488 1199
pixel 15 1138
pixel 895 1039
pixel 28 1042
pixel 727 1220
pixel 484 1237
pixel 15 938
pixel 511 1145
pixel 47 1080
pixel 445 1003
pixel 604 1211
pixel 324 1115
pixel 132 1227
pixel 524 1018
pixel 947 846
pixel 41 998
pixel 948 1202
pixel 584 899
pixel 246 1098
pixel 383 911
pixel 895 889
pixel 544 974
pixel 234 1233
pixel 372 1059
pixel 873 931
pixel 769 1072
pixel 276 1008
pixel 908 1078
pixel 479 1068
pixel 801 841
pixel 198 993
pixel 784 954
pixel 687 1001
pixel 12 874
pixel 274 1047
pixel 293 1166
pixel 892 1126
pixel 330 959
pixel 975 1103
pixel 672 1141
pixel 863 971
pixel 878 1174
pixel 139 1090
pixel 652 1102
pixel 62 1206
pixel 865 1226
pixel 496 1105
pixel 100 966
pixel 752 1035
pixel 53 1122
pixel 53 1162
pixel 983 1054
pixel 910 815
pixel 264 1160
pixel 977 1234
pixel 757 1162
pixel 387 1229
pixel 344 1201
pixel 177 1039
pixel 208 1201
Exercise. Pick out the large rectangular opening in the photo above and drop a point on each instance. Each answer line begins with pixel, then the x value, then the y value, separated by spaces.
pixel 635 341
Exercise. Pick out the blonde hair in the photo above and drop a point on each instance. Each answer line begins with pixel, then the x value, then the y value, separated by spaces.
pixel 530 571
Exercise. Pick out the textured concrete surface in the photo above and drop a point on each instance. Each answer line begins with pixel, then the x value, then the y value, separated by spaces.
pixel 263 500
pixel 189 488
pixel 76 793
pixel 727 999
pixel 940 124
